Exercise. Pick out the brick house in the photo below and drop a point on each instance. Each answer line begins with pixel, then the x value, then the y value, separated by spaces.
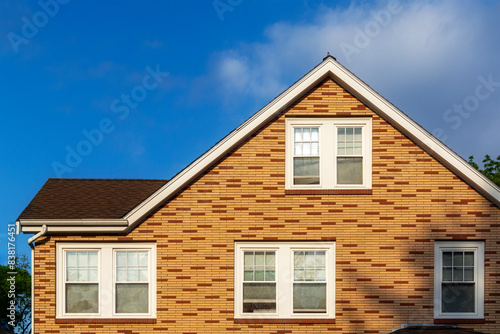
pixel 329 210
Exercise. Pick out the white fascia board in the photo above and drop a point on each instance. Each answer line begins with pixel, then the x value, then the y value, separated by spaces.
pixel 329 67
pixel 73 225
pixel 228 143
pixel 74 229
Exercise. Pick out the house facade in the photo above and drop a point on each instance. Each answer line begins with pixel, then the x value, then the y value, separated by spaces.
pixel 327 211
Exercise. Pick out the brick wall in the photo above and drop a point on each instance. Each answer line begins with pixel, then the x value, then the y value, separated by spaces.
pixel 384 238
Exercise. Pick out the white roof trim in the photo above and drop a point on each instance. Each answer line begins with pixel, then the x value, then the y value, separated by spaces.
pixel 73 225
pixel 329 67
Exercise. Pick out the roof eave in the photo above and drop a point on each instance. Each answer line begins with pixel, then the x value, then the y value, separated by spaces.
pixel 73 225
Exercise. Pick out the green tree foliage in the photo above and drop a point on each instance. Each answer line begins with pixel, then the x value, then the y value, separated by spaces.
pixel 491 168
pixel 21 295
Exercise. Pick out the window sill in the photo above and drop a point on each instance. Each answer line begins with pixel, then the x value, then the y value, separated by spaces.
pixel 283 321
pixel 328 191
pixel 106 321
pixel 459 321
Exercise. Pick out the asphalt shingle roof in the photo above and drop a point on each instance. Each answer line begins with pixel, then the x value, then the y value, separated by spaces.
pixel 89 198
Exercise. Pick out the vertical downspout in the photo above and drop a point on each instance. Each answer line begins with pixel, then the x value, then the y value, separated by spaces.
pixel 31 242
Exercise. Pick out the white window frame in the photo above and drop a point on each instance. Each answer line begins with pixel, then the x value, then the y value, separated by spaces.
pixel 106 272
pixel 470 246
pixel 328 150
pixel 284 278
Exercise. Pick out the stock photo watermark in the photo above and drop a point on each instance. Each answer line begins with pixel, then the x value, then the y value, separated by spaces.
pixel 12 273
pixel 371 30
pixel 461 111
pixel 223 6
pixel 121 107
pixel 31 27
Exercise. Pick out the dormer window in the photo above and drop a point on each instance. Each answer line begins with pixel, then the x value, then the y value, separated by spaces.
pixel 328 153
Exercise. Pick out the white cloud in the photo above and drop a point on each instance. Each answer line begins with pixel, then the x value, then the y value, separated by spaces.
pixel 424 57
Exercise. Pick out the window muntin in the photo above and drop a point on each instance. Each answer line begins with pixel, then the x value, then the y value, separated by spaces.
pixel 286 280
pixel 81 281
pixel 339 157
pixel 94 281
pixel 459 279
pixel 306 155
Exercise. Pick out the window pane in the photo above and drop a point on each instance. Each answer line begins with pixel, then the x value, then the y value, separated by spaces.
pixel 341 149
pixel 458 259
pixel 132 298
pixel 297 134
pixel 259 258
pixel 309 298
pixel 314 134
pixel 458 298
pixel 349 134
pixel 131 259
pixel 248 275
pixel 341 134
pixel 121 259
pixel 92 259
pixel 270 275
pixel 143 274
pixel 447 256
pixel 143 259
pixel 132 275
pixel 320 275
pixel 259 275
pixel 270 258
pixel 309 257
pixel 299 275
pixel 349 148
pixel 93 275
pixel 458 274
pixel 315 148
pixel 82 298
pixel 248 258
pixel 447 274
pixel 469 274
pixel 259 297
pixel 298 149
pixel 82 275
pixel 306 149
pixel 357 134
pixel 71 275
pixel 310 274
pixel 298 259
pixel 305 170
pixel 71 259
pixel 121 274
pixel 469 258
pixel 350 170
pixel 358 148
pixel 320 259
pixel 306 134
pixel 82 259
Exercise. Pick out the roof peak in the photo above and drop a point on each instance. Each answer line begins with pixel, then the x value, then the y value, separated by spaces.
pixel 328 55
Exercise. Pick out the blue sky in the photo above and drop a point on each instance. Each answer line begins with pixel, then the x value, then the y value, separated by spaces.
pixel 154 84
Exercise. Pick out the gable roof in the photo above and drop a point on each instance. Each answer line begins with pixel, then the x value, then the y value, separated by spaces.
pixel 78 201
pixel 329 67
